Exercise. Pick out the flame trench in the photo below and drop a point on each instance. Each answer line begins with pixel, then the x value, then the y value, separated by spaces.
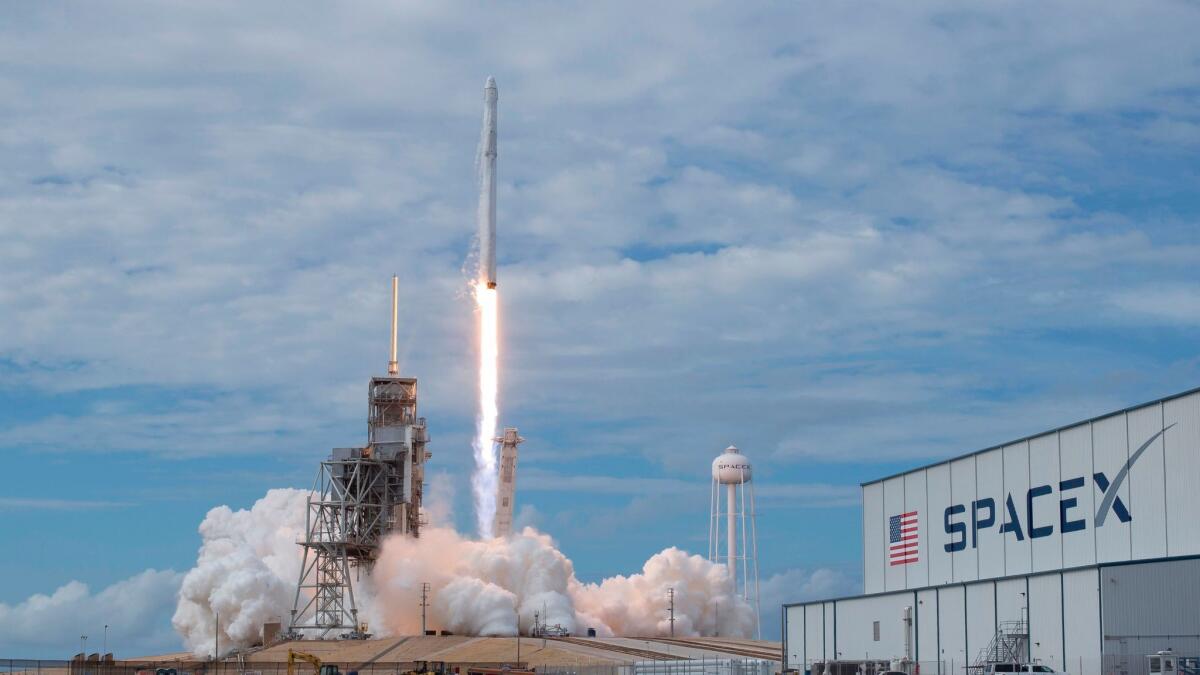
pixel 483 482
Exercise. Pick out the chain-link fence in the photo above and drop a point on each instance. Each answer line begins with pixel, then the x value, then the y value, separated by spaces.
pixel 230 666
pixel 249 667
pixel 33 666
pixel 671 667
pixel 1109 664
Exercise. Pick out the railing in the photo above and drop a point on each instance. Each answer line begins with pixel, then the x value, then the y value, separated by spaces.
pixel 1009 645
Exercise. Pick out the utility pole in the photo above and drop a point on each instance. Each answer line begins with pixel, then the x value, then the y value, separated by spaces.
pixel 671 600
pixel 424 603
pixel 717 621
pixel 518 664
pixel 216 638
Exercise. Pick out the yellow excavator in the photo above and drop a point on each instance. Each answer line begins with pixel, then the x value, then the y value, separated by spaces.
pixel 318 667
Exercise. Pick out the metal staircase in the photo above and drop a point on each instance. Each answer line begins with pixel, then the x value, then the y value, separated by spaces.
pixel 1010 644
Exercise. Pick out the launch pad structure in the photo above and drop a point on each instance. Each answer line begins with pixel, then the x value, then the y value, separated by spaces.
pixel 361 495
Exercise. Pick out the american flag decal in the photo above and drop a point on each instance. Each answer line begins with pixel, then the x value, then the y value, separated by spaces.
pixel 902 538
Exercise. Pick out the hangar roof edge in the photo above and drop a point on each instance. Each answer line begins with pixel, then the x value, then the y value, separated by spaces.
pixel 1023 439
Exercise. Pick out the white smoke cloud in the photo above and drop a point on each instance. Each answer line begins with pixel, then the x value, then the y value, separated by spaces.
pixel 249 563
pixel 135 609
pixel 523 573
pixel 246 572
pixel 637 604
pixel 480 588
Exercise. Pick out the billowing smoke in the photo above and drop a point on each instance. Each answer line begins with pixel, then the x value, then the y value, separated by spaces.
pixel 636 604
pixel 479 587
pixel 249 563
pixel 246 572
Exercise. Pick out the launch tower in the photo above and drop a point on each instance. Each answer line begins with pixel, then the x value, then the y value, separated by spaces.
pixel 506 486
pixel 361 495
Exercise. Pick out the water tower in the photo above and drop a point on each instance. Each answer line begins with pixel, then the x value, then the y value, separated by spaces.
pixel 733 506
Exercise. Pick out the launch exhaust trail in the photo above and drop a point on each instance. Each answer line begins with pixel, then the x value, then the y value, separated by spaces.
pixel 483 482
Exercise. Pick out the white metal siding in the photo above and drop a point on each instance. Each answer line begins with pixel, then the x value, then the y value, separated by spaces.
pixel 1017 551
pixel 1046 620
pixel 1010 599
pixel 938 485
pixel 1182 444
pixel 927 626
pixel 856 619
pixel 1159 491
pixel 1147 484
pixel 795 636
pixel 893 505
pixel 962 491
pixel 1154 599
pixel 952 621
pixel 1081 601
pixel 1075 453
pixel 1109 454
pixel 989 541
pixel 981 616
pixel 814 635
pixel 1043 470
pixel 874 538
pixel 915 498
pixel 1150 607
pixel 830 630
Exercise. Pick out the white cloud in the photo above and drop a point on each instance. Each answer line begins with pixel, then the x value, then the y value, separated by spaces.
pixel 137 612
pixel 222 230
pixel 801 585
pixel 1175 305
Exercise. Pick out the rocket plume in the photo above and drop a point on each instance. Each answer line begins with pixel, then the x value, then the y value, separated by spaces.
pixel 483 481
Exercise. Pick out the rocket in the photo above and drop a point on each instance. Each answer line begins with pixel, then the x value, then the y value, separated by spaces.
pixel 487 191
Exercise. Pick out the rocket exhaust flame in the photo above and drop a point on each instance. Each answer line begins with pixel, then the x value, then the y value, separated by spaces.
pixel 483 482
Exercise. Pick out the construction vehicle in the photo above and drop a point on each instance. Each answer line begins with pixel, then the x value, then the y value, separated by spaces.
pixel 429 668
pixel 318 667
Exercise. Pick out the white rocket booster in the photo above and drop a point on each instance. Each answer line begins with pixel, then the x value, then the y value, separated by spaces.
pixel 487 191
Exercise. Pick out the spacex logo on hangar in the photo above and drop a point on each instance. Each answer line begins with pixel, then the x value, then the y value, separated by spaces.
pixel 1016 514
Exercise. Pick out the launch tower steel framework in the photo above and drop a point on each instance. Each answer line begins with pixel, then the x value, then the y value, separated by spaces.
pixel 361 495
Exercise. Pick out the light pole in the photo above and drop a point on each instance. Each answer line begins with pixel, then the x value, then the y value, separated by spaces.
pixel 425 603
pixel 671 600
pixel 105 640
pixel 83 646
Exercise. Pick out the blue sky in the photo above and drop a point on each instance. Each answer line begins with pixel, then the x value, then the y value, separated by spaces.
pixel 849 238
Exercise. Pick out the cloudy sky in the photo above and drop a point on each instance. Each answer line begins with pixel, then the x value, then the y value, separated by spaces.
pixel 848 237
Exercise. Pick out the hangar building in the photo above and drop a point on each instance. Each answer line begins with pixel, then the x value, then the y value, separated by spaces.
pixel 1078 548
